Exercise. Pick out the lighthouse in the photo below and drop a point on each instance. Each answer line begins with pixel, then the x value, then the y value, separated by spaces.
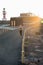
pixel 4 14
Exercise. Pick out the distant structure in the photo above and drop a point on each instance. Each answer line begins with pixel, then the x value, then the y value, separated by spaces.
pixel 27 14
pixel 4 14
pixel 27 20
pixel 4 19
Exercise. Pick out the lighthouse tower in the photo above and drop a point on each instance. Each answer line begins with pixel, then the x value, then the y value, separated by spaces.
pixel 4 14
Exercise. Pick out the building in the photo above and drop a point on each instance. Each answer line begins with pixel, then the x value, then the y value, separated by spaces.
pixel 27 20
pixel 16 21
pixel 26 14
pixel 33 22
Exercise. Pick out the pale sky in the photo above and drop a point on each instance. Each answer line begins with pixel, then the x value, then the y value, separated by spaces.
pixel 15 7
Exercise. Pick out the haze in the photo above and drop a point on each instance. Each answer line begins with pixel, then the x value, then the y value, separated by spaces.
pixel 15 7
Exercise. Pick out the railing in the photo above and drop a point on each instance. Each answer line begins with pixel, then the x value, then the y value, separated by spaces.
pixel 23 43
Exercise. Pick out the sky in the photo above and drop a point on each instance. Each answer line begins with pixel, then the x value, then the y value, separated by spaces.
pixel 15 7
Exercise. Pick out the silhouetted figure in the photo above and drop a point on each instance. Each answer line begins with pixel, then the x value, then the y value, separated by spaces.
pixel 21 31
pixel 38 60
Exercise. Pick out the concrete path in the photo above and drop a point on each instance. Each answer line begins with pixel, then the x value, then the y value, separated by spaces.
pixel 10 48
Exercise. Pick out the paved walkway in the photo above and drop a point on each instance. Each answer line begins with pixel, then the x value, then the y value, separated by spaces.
pixel 10 48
